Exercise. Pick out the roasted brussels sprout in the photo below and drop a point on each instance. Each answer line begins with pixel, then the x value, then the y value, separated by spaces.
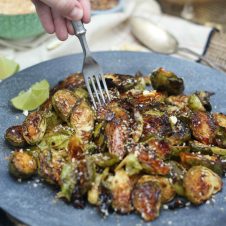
pixel 155 125
pixel 176 150
pixel 68 180
pixel 22 165
pixel 116 138
pixel 34 127
pixel 204 97
pixel 152 164
pixel 220 119
pixel 177 172
pixel 220 137
pixel 203 127
pixel 145 99
pixel 200 147
pixel 76 148
pixel 121 188
pixel 131 164
pixel 81 93
pixel 180 131
pixel 105 159
pixel 50 164
pixel 180 101
pixel 14 136
pixel 200 184
pixel 166 81
pixel 52 120
pixel 167 191
pixel 82 120
pixel 195 104
pixel 146 199
pixel 194 159
pixel 63 102
pixel 159 147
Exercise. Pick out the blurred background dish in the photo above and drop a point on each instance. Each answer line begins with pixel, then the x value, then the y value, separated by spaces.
pixel 18 20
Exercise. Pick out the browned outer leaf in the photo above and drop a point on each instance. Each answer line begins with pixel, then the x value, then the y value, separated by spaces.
pixel 203 127
pixel 146 198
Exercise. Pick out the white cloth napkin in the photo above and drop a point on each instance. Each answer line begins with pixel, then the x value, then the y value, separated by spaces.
pixel 108 32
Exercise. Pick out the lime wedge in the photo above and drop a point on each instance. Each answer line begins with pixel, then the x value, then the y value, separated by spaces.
pixel 36 95
pixel 7 68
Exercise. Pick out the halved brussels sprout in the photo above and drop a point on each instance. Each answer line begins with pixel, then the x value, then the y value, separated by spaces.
pixel 22 165
pixel 131 164
pixel 200 184
pixel 50 164
pixel 52 120
pixel 195 104
pixel 81 93
pixel 46 107
pixel 68 180
pixel 220 119
pixel 203 127
pixel 105 159
pixel 180 132
pixel 146 199
pixel 144 99
pixel 121 188
pixel 71 82
pixel 177 172
pixel 157 126
pixel 63 102
pixel 159 147
pixel 152 165
pixel 194 159
pixel 116 138
pixel 220 137
pixel 82 120
pixel 34 127
pixel 167 191
pixel 204 97
pixel 166 81
pixel 14 136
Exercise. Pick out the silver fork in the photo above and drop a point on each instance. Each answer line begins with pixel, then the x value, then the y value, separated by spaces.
pixel 92 72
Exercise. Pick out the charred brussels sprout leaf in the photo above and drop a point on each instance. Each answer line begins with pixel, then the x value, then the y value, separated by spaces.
pixel 68 180
pixel 34 127
pixel 211 162
pixel 146 199
pixel 200 147
pixel 220 137
pixel 177 172
pixel 167 191
pixel 205 183
pixel 121 188
pixel 82 120
pixel 195 104
pixel 63 102
pixel 76 148
pixel 22 165
pixel 220 119
pixel 203 127
pixel 14 136
pixel 166 81
pixel 105 159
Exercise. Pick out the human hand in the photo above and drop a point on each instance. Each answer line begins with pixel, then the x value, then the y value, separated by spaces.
pixel 56 15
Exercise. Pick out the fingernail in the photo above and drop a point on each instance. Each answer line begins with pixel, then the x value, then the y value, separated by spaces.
pixel 76 14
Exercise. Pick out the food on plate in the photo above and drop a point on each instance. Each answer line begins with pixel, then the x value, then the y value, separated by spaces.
pixel 137 153
pixel 103 4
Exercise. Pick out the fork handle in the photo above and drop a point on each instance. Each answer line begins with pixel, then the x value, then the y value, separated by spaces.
pixel 78 28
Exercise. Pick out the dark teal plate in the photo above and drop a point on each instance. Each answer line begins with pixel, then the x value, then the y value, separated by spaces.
pixel 37 205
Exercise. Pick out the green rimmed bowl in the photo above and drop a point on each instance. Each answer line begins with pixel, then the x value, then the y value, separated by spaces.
pixel 20 26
